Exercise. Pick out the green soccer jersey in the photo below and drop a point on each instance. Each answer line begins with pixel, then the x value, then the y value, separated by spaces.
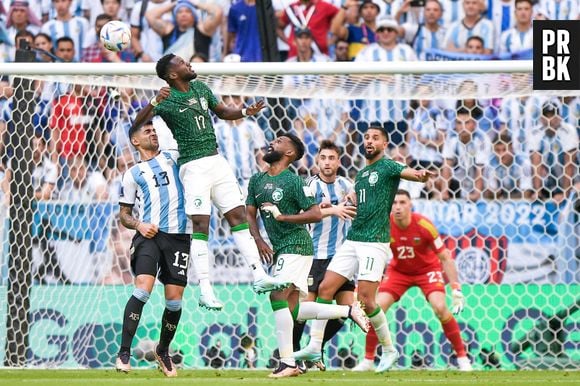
pixel 187 116
pixel 291 195
pixel 375 186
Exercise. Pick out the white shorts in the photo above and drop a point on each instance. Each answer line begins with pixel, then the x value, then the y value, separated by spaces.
pixel 368 260
pixel 294 269
pixel 206 180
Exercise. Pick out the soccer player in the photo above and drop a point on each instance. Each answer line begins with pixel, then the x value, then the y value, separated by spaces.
pixel 161 243
pixel 366 249
pixel 205 174
pixel 285 205
pixel 419 259
pixel 330 191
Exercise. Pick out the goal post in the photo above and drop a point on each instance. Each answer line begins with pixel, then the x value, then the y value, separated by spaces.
pixel 517 254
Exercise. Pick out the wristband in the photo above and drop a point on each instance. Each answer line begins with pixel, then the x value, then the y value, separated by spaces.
pixel 153 101
pixel 244 112
pixel 456 286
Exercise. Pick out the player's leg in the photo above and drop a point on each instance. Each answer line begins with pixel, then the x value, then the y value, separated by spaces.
pixel 450 328
pixel 144 262
pixel 173 274
pixel 372 260
pixel 315 277
pixel 196 177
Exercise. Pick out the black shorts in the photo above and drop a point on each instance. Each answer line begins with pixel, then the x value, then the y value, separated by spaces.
pixel 165 255
pixel 316 275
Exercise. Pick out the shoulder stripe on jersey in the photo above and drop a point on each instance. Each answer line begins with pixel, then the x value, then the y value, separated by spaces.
pixel 146 195
pixel 163 194
pixel 426 224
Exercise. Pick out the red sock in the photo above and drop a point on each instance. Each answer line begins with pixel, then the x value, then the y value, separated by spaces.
pixel 371 344
pixel 451 330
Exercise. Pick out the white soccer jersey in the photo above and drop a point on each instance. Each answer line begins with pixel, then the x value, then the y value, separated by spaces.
pixel 502 16
pixel 385 110
pixel 154 188
pixel 513 40
pixel 44 173
pixel 76 28
pixel 329 234
pixel 458 33
pixel 239 144
pixel 452 11
pixel 558 9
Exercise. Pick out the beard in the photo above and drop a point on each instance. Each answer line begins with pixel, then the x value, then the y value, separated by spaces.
pixel 372 154
pixel 191 76
pixel 272 156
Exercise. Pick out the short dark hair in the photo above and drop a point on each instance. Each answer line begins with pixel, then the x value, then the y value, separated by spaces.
pixel 328 144
pixel 463 111
pixel 162 67
pixel 104 16
pixel 379 127
pixel 503 139
pixel 478 38
pixel 118 1
pixel 530 2
pixel 65 39
pixel 298 145
pixel 404 193
pixel 134 129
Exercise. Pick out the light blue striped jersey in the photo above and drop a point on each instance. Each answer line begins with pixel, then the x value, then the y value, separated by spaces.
pixel 557 9
pixel 76 28
pixel 329 234
pixel 513 40
pixel 502 16
pixel 458 33
pixel 422 39
pixel 154 188
pixel 452 11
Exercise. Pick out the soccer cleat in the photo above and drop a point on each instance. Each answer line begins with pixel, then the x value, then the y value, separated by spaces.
pixel 302 367
pixel 284 371
pixel 365 365
pixel 464 364
pixel 388 359
pixel 210 302
pixel 306 355
pixel 123 362
pixel 268 284
pixel 359 317
pixel 166 365
pixel 319 364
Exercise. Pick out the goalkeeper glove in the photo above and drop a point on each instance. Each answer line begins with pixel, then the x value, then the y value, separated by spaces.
pixel 457 301
pixel 271 209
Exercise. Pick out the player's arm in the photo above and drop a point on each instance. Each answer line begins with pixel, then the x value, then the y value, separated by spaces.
pixel 213 18
pixel 416 175
pixel 308 216
pixel 448 264
pixel 155 19
pixel 231 114
pixel 130 222
pixel 341 210
pixel 266 253
pixel 148 111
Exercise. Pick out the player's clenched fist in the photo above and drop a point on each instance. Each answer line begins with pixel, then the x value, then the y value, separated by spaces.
pixel 147 230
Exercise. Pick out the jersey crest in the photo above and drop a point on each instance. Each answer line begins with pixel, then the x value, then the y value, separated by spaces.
pixel 277 195
pixel 373 178
pixel 203 102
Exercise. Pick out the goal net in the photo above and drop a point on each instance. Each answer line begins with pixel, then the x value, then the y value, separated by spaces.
pixel 505 200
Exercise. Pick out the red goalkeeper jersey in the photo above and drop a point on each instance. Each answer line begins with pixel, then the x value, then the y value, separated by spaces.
pixel 415 248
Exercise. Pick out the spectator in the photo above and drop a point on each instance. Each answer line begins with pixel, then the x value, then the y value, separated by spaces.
pixel 178 34
pixel 198 57
pixel 391 113
pixel 508 175
pixel 357 35
pixel 553 146
pixel 65 49
pixel 481 110
pixel 426 35
pixel 557 9
pixel 65 24
pixel 117 9
pixel 249 351
pixel 243 36
pixel 511 121
pixel 45 172
pixel 501 13
pixel 316 15
pixel 453 11
pixel 145 42
pixel 20 18
pixel 473 24
pixel 465 154
pixel 341 51
pixel 475 46
pixel 42 41
pixel 520 37
pixel 214 356
pixel 82 185
pixel 407 11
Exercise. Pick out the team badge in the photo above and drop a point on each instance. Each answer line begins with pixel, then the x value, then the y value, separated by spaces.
pixel 277 195
pixel 203 102
pixel 373 178
pixel 197 202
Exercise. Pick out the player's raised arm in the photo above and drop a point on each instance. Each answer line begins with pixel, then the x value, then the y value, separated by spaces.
pixel 147 112
pixel 232 113
pixel 416 175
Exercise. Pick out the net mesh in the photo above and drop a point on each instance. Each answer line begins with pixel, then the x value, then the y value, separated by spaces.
pixel 497 201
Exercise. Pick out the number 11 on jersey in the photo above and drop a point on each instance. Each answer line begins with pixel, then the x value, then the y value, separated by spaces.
pixel 362 195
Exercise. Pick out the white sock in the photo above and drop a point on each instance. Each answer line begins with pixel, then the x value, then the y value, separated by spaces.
pixel 284 326
pixel 316 335
pixel 199 253
pixel 379 322
pixel 249 250
pixel 313 310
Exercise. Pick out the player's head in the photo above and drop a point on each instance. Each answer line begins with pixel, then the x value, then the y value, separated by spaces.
pixel 286 145
pixel 144 137
pixel 375 142
pixel 172 68
pixel 402 206
pixel 328 158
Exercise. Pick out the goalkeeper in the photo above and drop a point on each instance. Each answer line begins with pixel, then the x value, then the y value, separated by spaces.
pixel 419 259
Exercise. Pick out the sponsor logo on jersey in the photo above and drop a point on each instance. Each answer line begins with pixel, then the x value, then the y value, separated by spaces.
pixel 277 195
pixel 192 101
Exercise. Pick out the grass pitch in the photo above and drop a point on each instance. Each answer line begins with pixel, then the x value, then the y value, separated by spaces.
pixel 328 378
